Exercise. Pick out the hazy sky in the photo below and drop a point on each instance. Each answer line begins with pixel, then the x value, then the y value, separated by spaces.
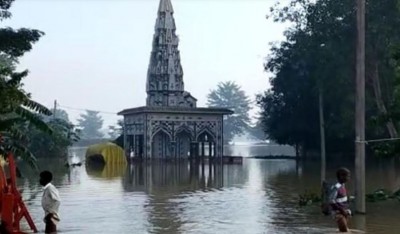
pixel 95 52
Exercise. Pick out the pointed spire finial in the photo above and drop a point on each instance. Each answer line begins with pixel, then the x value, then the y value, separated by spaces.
pixel 164 85
pixel 165 6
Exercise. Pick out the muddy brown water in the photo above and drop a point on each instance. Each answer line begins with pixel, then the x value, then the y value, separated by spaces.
pixel 260 196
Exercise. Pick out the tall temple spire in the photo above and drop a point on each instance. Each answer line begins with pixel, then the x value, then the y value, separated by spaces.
pixel 164 84
pixel 165 6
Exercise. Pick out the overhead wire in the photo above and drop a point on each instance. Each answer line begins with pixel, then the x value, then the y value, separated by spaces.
pixel 378 140
pixel 84 109
pixel 114 113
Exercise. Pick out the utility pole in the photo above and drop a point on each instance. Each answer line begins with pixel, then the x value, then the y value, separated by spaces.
pixel 360 110
pixel 322 125
pixel 322 132
pixel 54 109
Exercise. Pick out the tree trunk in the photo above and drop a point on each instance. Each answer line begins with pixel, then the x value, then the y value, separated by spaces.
pixel 322 132
pixel 379 100
pixel 360 110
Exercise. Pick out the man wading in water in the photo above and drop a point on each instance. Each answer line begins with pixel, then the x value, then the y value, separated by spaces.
pixel 339 200
pixel 50 202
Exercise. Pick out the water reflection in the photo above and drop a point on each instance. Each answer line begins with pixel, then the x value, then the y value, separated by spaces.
pixel 108 171
pixel 259 196
pixel 381 217
pixel 163 182
pixel 172 177
pixel 247 150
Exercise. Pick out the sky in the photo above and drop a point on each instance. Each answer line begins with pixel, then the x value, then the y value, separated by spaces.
pixel 95 53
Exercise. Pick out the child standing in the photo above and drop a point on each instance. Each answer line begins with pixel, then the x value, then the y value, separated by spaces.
pixel 339 200
pixel 50 202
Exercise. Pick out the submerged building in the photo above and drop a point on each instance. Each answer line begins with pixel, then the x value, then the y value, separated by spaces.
pixel 171 125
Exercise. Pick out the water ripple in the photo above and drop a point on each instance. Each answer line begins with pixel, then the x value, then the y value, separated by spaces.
pixel 259 196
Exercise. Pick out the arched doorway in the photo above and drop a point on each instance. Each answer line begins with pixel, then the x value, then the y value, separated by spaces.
pixel 206 144
pixel 161 145
pixel 183 140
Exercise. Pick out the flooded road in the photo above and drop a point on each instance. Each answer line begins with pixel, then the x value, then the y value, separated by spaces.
pixel 260 196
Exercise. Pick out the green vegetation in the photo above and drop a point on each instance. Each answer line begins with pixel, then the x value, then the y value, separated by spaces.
pixel 91 124
pixel 308 198
pixel 383 195
pixel 115 131
pixel 318 58
pixel 17 110
pixel 256 131
pixel 21 118
pixel 64 135
pixel 230 95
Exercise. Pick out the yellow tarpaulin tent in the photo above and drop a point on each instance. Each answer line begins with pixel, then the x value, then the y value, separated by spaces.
pixel 110 153
pixel 108 171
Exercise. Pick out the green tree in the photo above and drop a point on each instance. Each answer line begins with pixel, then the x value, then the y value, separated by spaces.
pixel 64 134
pixel 316 58
pixel 303 64
pixel 115 131
pixel 230 95
pixel 61 114
pixel 17 109
pixel 91 124
pixel 256 131
pixel 54 145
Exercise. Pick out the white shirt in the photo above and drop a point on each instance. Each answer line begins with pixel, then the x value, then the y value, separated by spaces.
pixel 50 200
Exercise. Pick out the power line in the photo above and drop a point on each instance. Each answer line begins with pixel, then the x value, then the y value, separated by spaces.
pixel 378 140
pixel 82 109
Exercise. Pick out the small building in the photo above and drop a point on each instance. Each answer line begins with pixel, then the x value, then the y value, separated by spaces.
pixel 171 125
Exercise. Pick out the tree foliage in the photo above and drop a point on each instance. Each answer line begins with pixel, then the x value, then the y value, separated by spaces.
pixel 91 123
pixel 319 52
pixel 17 109
pixel 60 114
pixel 256 131
pixel 115 131
pixel 56 144
pixel 230 95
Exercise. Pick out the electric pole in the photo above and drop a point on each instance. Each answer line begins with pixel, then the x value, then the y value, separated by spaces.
pixel 322 133
pixel 360 110
pixel 54 109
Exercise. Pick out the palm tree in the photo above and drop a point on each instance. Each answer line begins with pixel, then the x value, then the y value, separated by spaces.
pixel 17 112
pixel 17 109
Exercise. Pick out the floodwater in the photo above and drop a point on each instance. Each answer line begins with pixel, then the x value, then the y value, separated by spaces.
pixel 259 196
pixel 246 150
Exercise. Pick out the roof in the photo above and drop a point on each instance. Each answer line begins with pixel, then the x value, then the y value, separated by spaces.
pixel 187 94
pixel 179 110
